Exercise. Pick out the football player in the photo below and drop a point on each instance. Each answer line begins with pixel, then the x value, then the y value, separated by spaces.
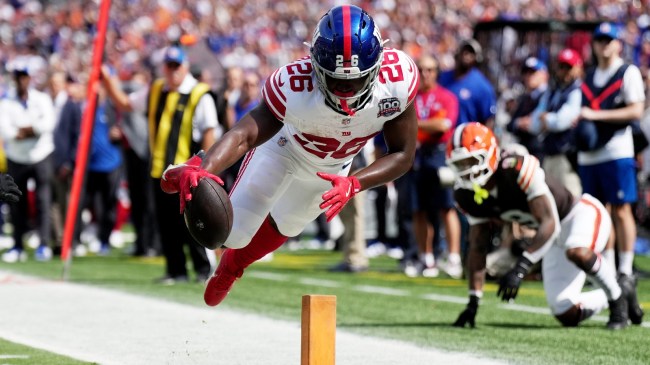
pixel 570 232
pixel 318 113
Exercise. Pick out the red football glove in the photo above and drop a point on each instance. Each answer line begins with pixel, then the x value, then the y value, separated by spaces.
pixel 343 189
pixel 182 177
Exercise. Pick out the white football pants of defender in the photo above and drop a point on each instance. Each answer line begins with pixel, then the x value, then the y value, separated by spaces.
pixel 274 180
pixel 587 225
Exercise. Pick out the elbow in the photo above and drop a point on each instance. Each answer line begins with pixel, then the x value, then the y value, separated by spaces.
pixel 408 160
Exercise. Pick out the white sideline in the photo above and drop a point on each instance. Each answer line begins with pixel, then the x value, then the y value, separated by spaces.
pixel 112 327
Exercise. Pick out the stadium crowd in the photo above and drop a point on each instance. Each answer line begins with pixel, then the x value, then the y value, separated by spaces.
pixel 228 42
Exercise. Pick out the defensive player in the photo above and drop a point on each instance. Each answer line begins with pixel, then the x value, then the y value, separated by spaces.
pixel 318 113
pixel 496 186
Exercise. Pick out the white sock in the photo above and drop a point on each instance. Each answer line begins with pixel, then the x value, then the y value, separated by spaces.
pixel 625 262
pixel 428 259
pixel 593 302
pixel 605 277
pixel 610 257
pixel 453 258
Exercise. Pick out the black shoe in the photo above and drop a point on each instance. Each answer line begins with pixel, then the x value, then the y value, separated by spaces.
pixel 345 267
pixel 628 285
pixel 617 313
pixel 171 280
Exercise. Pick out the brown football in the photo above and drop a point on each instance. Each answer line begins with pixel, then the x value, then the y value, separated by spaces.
pixel 209 214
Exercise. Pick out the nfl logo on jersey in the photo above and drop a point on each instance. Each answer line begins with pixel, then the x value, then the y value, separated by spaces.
pixel 388 107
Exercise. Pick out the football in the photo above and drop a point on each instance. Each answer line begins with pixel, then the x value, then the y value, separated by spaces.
pixel 209 214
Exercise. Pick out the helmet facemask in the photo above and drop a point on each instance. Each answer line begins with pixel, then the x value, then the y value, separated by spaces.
pixel 472 168
pixel 347 103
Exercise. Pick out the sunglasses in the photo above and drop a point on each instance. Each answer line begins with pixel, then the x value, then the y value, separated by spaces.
pixel 603 40
pixel 172 65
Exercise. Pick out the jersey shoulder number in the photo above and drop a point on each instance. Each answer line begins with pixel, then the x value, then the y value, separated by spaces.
pixel 295 77
pixel 400 74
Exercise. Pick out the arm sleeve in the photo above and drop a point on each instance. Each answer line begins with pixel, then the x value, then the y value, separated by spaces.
pixel 633 90
pixel 451 105
pixel 488 103
pixel 205 116
pixel 138 100
pixel 48 119
pixel 564 117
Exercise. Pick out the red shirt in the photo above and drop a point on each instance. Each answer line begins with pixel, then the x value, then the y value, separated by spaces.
pixel 436 103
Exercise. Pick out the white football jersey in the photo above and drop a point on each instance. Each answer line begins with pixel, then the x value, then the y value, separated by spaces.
pixel 322 135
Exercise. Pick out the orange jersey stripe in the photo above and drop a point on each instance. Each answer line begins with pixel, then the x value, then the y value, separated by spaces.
pixel 599 218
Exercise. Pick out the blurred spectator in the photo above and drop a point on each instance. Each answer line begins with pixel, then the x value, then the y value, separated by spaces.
pixel 556 121
pixel 476 96
pixel 353 241
pixel 437 110
pixel 248 98
pixel 535 79
pixel 613 98
pixel 64 90
pixel 229 94
pixel 174 100
pixel 404 187
pixel 135 136
pixel 104 170
pixel 27 122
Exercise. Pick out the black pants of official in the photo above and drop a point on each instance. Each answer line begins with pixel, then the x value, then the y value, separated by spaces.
pixel 101 197
pixel 174 236
pixel 143 212
pixel 41 172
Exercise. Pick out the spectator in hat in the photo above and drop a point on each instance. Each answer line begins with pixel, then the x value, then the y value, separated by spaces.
pixel 535 79
pixel 613 96
pixel 556 121
pixel 476 96
pixel 27 121
pixel 168 102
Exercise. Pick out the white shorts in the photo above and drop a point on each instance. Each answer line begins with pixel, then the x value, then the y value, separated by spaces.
pixel 587 225
pixel 272 180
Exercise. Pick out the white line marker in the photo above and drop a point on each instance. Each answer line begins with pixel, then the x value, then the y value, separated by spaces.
pixel 381 290
pixel 405 293
pixel 320 282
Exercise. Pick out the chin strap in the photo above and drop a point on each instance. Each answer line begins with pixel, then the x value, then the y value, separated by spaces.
pixel 344 106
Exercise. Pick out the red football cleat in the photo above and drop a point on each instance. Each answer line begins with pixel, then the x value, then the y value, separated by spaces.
pixel 222 281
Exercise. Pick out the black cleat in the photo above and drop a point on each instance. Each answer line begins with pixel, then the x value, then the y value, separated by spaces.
pixel 618 313
pixel 628 286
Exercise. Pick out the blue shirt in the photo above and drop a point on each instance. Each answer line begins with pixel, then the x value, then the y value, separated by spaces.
pixel 476 97
pixel 105 156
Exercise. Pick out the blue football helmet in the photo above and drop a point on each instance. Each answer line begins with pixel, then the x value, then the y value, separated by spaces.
pixel 347 45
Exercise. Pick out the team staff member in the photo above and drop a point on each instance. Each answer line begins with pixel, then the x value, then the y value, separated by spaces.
pixel 182 118
pixel 613 98
pixel 27 122
pixel 437 110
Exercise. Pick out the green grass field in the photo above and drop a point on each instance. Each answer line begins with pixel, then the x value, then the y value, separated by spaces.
pixel 381 302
